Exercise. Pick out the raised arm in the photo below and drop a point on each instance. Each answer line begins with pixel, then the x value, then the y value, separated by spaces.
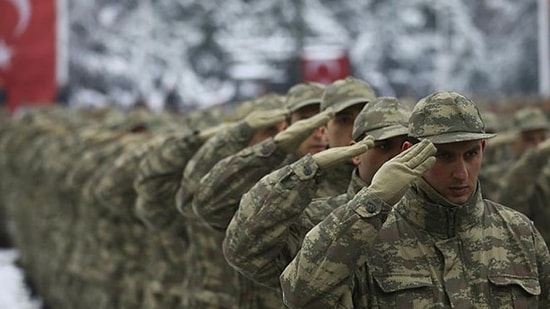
pixel 321 275
pixel 265 233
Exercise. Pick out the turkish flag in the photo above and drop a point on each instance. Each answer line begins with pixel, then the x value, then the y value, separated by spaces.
pixel 28 51
pixel 324 65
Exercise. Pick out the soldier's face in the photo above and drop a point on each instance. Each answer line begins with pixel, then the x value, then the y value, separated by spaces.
pixel 316 140
pixel 529 139
pixel 266 133
pixel 369 162
pixel 340 128
pixel 455 172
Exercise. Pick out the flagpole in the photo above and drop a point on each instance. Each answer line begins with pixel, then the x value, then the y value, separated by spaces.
pixel 543 47
pixel 62 45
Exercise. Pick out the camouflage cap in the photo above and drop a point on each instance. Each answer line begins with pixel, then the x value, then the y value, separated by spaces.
pixel 446 117
pixel 304 94
pixel 344 93
pixel 265 102
pixel 382 118
pixel 530 118
pixel 491 121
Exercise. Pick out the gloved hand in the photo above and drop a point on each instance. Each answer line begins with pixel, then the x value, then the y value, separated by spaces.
pixel 207 133
pixel 266 118
pixel 290 139
pixel 395 176
pixel 544 148
pixel 503 138
pixel 337 155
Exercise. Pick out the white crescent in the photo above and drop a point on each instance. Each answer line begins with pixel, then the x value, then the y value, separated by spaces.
pixel 23 8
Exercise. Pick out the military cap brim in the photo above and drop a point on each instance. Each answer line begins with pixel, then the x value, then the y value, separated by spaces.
pixel 304 104
pixel 454 137
pixel 387 132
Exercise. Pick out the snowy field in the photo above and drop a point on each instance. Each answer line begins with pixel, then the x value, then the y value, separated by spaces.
pixel 13 292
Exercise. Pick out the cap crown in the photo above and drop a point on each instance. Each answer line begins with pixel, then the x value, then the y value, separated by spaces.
pixel 445 117
pixel 530 118
pixel 346 92
pixel 304 94
pixel 382 118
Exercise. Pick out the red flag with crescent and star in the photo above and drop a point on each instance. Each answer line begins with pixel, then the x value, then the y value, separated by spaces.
pixel 324 64
pixel 28 51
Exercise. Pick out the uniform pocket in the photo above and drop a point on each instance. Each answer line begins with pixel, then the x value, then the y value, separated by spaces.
pixel 404 291
pixel 520 292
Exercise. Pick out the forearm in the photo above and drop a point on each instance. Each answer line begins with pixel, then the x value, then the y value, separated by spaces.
pixel 259 240
pixel 222 188
pixel 215 149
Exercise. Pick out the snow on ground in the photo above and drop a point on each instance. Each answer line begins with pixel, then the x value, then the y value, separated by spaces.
pixel 13 292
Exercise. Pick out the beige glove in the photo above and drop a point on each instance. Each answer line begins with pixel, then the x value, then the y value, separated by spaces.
pixel 266 118
pixel 207 133
pixel 503 138
pixel 290 139
pixel 338 155
pixel 544 148
pixel 395 176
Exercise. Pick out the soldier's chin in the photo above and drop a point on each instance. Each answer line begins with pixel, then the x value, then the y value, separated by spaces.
pixel 459 196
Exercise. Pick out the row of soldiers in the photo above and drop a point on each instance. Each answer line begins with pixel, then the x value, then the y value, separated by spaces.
pixel 154 211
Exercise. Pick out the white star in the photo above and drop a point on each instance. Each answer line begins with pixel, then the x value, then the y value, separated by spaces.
pixel 5 55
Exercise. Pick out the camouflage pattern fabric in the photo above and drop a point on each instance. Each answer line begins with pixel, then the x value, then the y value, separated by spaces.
pixel 267 229
pixel 383 118
pixel 304 94
pixel 223 186
pixel 420 254
pixel 216 148
pixel 524 187
pixel 157 182
pixel 211 283
pixel 344 93
pixel 449 112
pixel 127 244
pixel 530 118
pixel 291 200
pixel 159 177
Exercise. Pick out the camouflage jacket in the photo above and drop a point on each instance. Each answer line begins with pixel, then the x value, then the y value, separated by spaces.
pixel 222 188
pixel 526 188
pixel 212 283
pixel 158 179
pixel 268 228
pixel 218 147
pixel 114 187
pixel 423 253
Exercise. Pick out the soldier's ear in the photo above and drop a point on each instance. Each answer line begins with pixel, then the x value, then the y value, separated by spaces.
pixel 406 145
pixel 483 144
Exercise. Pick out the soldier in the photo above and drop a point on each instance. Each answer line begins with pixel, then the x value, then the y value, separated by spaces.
pixel 346 97
pixel 421 235
pixel 277 212
pixel 208 282
pixel 531 170
pixel 157 181
pixel 532 125
pixel 217 202
pixel 303 136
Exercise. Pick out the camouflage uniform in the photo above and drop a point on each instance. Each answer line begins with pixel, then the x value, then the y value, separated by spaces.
pixel 424 251
pixel 278 211
pixel 158 179
pixel 223 186
pixel 501 173
pixel 531 171
pixel 124 241
pixel 93 264
pixel 338 96
pixel 209 282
